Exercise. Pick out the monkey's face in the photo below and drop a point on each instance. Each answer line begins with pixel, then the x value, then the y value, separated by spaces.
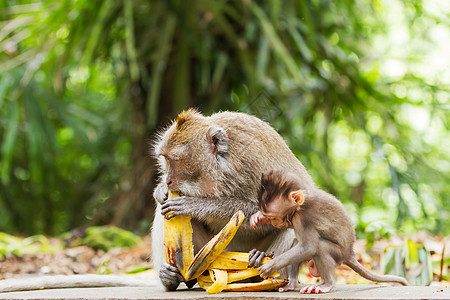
pixel 192 155
pixel 182 175
pixel 280 212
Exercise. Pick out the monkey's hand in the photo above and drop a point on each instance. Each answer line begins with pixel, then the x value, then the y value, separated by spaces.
pixel 160 192
pixel 170 276
pixel 255 258
pixel 257 218
pixel 177 206
pixel 267 269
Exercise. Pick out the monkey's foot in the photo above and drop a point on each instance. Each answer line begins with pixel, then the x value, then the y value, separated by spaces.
pixel 316 289
pixel 288 287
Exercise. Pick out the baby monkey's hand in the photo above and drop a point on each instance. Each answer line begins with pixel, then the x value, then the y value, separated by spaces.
pixel 256 257
pixel 257 218
pixel 267 269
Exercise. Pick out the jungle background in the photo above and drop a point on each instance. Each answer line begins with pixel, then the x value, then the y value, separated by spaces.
pixel 359 90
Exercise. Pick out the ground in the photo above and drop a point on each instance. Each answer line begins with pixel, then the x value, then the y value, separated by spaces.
pixel 130 262
pixel 341 292
pixel 82 260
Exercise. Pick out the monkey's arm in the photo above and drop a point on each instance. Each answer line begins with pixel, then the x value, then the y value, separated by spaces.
pixel 207 208
pixel 299 253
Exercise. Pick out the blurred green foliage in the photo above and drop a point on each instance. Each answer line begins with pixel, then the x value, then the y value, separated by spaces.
pixel 411 261
pixel 107 237
pixel 103 266
pixel 14 246
pixel 359 90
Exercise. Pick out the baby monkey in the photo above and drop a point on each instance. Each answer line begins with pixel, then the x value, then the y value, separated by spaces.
pixel 322 227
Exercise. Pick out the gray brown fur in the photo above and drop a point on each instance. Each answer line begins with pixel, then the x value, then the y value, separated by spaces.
pixel 325 233
pixel 216 164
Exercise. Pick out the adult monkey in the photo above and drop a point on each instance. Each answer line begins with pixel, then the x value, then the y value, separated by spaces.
pixel 215 163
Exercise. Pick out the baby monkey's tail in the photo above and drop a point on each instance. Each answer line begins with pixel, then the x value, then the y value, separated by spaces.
pixel 358 268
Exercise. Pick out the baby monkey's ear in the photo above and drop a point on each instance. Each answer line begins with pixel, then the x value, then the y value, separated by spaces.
pixel 297 196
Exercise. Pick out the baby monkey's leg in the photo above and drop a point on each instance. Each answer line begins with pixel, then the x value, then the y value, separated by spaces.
pixel 293 279
pixel 325 265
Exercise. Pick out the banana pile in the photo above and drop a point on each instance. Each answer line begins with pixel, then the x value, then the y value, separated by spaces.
pixel 214 269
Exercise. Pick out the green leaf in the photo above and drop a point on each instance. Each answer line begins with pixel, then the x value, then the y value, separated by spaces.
pixel 9 141
pixel 411 261
pixel 107 237
pixel 426 276
pixel 220 67
pixel 130 40
pixel 138 270
pixel 159 67
pixel 279 48
pixel 99 270
pixel 4 85
pixel 94 36
pixel 11 245
pixel 412 257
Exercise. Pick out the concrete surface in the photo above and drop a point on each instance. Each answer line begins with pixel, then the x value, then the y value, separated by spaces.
pixel 341 292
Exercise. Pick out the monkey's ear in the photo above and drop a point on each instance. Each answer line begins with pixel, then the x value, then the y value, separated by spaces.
pixel 297 197
pixel 217 140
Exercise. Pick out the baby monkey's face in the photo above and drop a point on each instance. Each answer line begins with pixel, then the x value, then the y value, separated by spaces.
pixel 279 212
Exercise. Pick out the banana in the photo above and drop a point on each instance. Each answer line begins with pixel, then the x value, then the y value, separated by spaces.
pixel 236 275
pixel 177 236
pixel 265 285
pixel 216 284
pixel 233 261
pixel 224 267
pixel 214 247
pixel 219 278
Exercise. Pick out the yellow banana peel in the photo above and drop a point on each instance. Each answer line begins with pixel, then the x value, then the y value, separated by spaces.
pixel 212 286
pixel 177 239
pixel 224 267
pixel 220 279
pixel 265 285
pixel 236 275
pixel 233 261
pixel 214 247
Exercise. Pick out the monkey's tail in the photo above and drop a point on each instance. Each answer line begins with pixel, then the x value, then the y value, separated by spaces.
pixel 358 268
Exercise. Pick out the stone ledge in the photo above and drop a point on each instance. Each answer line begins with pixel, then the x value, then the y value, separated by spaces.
pixel 341 292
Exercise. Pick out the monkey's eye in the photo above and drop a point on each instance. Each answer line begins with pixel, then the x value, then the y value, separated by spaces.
pixel 170 158
pixel 166 158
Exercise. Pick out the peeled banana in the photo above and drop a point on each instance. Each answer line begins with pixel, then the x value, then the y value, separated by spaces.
pixel 237 270
pixel 224 268
pixel 214 247
pixel 233 261
pixel 177 240
pixel 179 250
pixel 219 281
